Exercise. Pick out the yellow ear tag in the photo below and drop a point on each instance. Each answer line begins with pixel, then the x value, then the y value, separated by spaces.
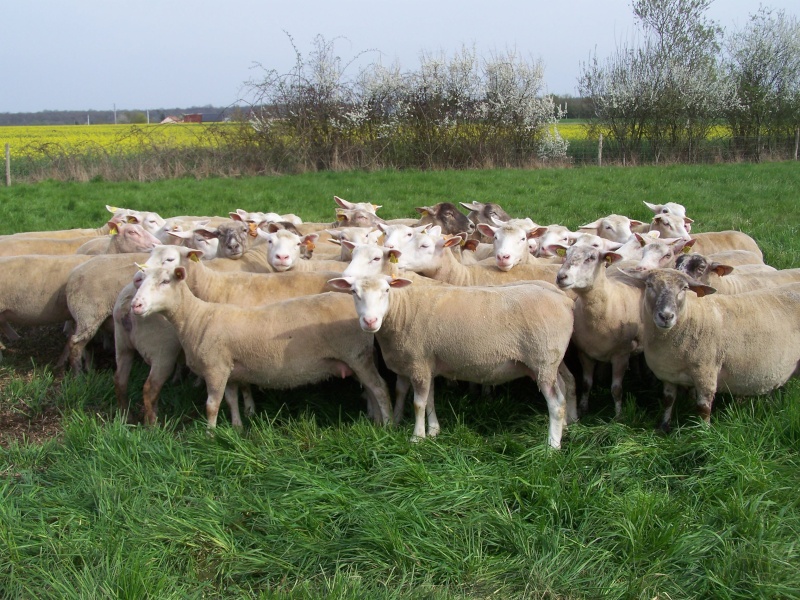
pixel 141 267
pixel 310 246
pixel 376 206
pixel 561 252
pixel 194 257
pixel 113 231
pixel 686 249
pixel 341 217
pixel 608 260
pixel 393 259
pixel 132 219
pixel 425 213
pixel 112 209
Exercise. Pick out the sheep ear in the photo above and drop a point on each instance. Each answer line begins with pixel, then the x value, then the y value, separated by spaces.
pixel 342 202
pixel 720 269
pixel 487 230
pixel 471 245
pixel 342 284
pixel 113 228
pixel 654 207
pixel 194 255
pixel 111 209
pixel 612 257
pixel 398 282
pixel 635 274
pixel 235 216
pixel 375 207
pixel 424 210
pixel 453 241
pixel 592 225
pixel 701 289
pixel 180 273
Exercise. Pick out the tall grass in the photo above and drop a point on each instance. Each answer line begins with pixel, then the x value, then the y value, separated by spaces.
pixel 311 500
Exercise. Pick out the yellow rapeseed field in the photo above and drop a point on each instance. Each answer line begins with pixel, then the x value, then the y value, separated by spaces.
pixel 49 140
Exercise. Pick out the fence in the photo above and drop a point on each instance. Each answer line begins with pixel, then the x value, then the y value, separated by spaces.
pixel 236 158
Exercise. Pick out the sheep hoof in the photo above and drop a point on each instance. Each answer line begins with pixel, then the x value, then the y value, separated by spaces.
pixel 416 439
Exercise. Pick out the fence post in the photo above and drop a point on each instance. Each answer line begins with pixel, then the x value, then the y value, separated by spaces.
pixel 8 165
pixel 796 141
pixel 600 152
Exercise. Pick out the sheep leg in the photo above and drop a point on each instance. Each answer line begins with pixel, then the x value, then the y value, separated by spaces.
pixel 125 357
pixel 369 377
pixel 422 388
pixel 159 373
pixel 232 398
pixel 215 388
pixel 400 391
pixel 247 397
pixel 568 389
pixel 9 332
pixel 556 407
pixel 704 393
pixel 670 393
pixel 430 414
pixel 619 365
pixel 587 366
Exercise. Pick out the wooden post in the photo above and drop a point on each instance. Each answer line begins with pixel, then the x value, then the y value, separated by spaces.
pixel 8 165
pixel 600 152
pixel 796 142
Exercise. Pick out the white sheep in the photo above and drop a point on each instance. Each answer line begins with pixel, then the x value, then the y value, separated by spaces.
pixel 281 346
pixel 523 330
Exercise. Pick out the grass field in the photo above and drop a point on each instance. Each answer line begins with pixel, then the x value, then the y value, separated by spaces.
pixel 311 500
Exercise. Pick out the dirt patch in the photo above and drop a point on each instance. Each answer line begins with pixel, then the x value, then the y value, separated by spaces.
pixel 22 418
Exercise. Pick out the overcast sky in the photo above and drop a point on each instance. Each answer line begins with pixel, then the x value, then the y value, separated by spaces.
pixel 150 54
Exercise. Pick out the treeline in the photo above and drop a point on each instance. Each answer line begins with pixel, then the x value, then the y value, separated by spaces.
pixel 101 117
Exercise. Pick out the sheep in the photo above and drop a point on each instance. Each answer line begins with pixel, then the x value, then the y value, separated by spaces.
pixel 430 257
pixel 227 344
pixel 355 235
pixel 662 253
pixel 447 216
pixel 510 243
pixel 607 321
pixel 33 290
pixel 154 338
pixel 616 228
pixel 554 235
pixel 347 205
pixel 122 238
pixel 284 252
pixel 729 280
pixel 523 330
pixel 92 289
pixel 13 246
pixel 745 344
pixel 119 215
pixel 480 212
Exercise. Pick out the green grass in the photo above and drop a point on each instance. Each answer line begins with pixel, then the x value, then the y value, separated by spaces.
pixel 311 500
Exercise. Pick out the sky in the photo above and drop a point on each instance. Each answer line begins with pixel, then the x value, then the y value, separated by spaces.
pixel 151 54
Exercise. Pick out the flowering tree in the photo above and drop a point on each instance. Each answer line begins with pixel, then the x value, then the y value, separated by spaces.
pixel 762 62
pixel 667 89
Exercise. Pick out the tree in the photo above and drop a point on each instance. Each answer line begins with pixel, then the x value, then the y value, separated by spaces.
pixel 667 89
pixel 762 63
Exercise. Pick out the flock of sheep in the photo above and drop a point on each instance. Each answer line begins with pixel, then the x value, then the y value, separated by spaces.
pixel 256 298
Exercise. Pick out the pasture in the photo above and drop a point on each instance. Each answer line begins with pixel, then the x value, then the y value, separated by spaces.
pixel 312 500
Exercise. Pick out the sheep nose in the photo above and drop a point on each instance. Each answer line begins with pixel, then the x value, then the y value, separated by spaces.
pixel 282 257
pixel 370 322
pixel 561 276
pixel 666 316
pixel 503 257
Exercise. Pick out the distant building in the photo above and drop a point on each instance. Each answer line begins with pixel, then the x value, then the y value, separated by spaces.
pixel 193 118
